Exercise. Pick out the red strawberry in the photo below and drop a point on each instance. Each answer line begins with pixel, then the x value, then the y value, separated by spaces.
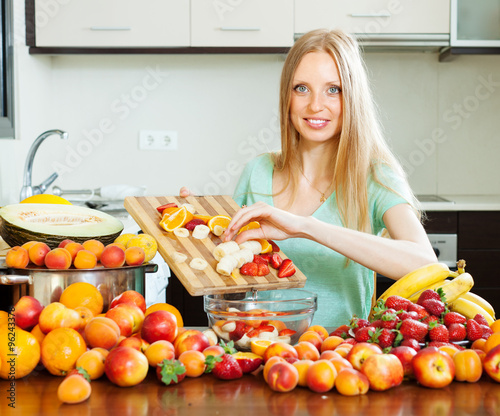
pixel 480 319
pixel 191 225
pixel 389 320
pixel 408 315
pixel 364 334
pixel 377 323
pixel 454 318
pixel 428 294
pixel 474 330
pixel 241 329
pixel 438 332
pixel 412 343
pixel 398 303
pixel 434 307
pixel 170 372
pixel 410 328
pixel 357 323
pixel 274 246
pixel 163 207
pixel 249 269
pixel 228 368
pixel 487 331
pixel 429 319
pixel 261 258
pixel 421 311
pixel 350 341
pixel 263 269
pixel 276 260
pixel 342 331
pixel 286 269
pixel 457 332
pixel 384 337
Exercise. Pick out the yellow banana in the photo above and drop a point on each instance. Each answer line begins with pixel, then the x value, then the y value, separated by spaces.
pixel 480 301
pixel 417 280
pixel 455 288
pixel 434 286
pixel 470 309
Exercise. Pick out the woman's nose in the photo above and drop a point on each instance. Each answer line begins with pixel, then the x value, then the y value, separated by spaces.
pixel 317 102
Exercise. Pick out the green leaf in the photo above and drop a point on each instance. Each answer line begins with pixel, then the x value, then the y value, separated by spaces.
pixel 170 369
pixel 229 347
pixel 210 362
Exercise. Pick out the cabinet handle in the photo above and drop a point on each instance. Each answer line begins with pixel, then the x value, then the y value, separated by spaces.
pixel 240 29
pixel 382 14
pixel 120 28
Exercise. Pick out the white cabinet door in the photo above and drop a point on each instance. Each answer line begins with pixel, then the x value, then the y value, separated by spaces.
pixel 112 23
pixel 245 23
pixel 374 16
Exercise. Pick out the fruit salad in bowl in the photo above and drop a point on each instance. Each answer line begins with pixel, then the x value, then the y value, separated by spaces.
pixel 274 315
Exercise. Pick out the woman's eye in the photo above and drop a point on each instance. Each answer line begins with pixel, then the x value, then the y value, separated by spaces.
pixel 333 90
pixel 301 88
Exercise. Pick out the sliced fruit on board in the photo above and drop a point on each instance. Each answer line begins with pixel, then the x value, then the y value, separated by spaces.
pixel 53 223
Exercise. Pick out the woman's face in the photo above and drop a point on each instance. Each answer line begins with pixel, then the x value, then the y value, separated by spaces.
pixel 316 101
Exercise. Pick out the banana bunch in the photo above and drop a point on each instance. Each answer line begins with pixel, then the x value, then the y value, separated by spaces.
pixel 454 286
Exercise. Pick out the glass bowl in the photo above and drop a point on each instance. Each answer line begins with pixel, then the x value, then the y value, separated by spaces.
pixel 274 315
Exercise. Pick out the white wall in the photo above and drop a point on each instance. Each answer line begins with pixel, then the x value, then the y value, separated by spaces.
pixel 440 118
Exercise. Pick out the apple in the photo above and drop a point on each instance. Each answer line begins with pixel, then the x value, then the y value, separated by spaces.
pixel 360 352
pixel 248 361
pixel 405 355
pixel 491 363
pixel 130 296
pixel 190 339
pixel 27 311
pixel 433 368
pixel 383 371
pixel 56 315
pixel 125 366
pixel 159 325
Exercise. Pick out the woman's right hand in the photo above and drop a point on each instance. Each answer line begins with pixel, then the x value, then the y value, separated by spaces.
pixel 185 192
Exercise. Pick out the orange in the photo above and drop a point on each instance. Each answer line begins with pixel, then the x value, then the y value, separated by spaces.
pixel 492 341
pixel 495 326
pixel 250 226
pixel 61 348
pixel 74 389
pixel 202 217
pixel 82 294
pixel 168 211
pixel 259 346
pixel 166 307
pixel 26 350
pixel 220 220
pixel 4 316
pixel 176 220
pixel 266 245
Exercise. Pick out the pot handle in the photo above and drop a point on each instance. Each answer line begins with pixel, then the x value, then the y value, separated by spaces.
pixel 150 268
pixel 7 279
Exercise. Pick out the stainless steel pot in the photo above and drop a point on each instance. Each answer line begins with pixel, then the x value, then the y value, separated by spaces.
pixel 46 285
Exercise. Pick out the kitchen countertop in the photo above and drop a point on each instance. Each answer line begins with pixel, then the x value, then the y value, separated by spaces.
pixel 206 395
pixel 464 203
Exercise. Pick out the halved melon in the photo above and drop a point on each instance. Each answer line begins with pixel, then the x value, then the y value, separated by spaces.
pixel 53 223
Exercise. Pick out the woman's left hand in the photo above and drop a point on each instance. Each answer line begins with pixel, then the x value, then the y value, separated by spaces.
pixel 275 224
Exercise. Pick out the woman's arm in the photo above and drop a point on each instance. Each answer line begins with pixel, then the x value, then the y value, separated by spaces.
pixel 407 249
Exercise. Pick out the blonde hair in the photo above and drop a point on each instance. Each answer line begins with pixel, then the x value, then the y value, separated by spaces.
pixel 361 146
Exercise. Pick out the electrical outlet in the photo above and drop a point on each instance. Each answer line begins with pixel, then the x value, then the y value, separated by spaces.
pixel 157 140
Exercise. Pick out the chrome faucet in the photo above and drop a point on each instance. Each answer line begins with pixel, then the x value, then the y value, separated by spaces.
pixel 28 190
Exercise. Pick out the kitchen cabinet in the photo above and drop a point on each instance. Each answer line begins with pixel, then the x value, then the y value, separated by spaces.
pixel 112 23
pixel 264 23
pixel 475 23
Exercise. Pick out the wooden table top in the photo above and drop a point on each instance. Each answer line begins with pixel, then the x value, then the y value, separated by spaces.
pixel 206 395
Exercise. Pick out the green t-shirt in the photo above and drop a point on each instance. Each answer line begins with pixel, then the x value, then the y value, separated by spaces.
pixel 342 291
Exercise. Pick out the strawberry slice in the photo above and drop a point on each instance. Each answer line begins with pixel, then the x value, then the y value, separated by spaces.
pixel 249 269
pixel 287 332
pixel 241 329
pixel 165 206
pixel 191 225
pixel 286 269
pixel 276 261
pixel 257 331
pixel 261 258
pixel 262 269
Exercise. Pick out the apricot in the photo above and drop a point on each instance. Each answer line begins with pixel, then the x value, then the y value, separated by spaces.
pixel 331 342
pixel 321 376
pixel 94 246
pixel 351 382
pixel 280 349
pixel 340 363
pixel 118 245
pixel 320 330
pixel 283 377
pixel 113 256
pixel 74 389
pixel 269 363
pixel 102 332
pixel 313 337
pixel 302 366
pixel 85 259
pixel 132 342
pixel 63 243
pixel 92 361
pixel 134 256
pixel 73 249
pixel 161 350
pixel 58 258
pixel 37 253
pixel 329 354
pixel 17 257
pixel 306 351
pixel 28 244
pixel 194 361
pixel 344 349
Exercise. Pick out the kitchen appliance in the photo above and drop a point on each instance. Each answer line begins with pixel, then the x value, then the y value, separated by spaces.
pixel 46 285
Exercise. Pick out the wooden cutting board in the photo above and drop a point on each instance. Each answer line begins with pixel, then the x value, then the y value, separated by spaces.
pixel 197 283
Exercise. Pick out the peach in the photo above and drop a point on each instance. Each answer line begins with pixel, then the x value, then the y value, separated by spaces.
pixel 343 349
pixel 306 351
pixel 191 339
pixel 58 258
pixel 159 325
pixel 125 366
pixel 92 361
pixel 321 376
pixel 313 337
pixel 331 342
pixel 56 315
pixel 302 366
pixel 28 244
pixel 85 314
pixel 269 363
pixel 134 256
pixel 102 332
pixel 94 246
pixel 280 349
pixel 118 245
pixel 130 296
pixel 360 352
pixel 113 256
pixel 159 351
pixel 85 259
pixel 17 257
pixel 340 363
pixel 329 354
pixel 63 243
pixel 351 382
pixel 132 342
pixel 73 249
pixel 37 253
pixel 194 362
pixel 103 351
pixel 127 316
pixel 283 377
pixel 27 312
pixel 214 350
pixel 320 330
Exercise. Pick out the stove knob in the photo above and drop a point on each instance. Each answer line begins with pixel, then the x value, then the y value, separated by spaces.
pixel 436 250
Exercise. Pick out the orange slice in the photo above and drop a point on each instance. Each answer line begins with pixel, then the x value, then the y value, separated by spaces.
pixel 168 211
pixel 204 218
pixel 176 220
pixel 250 226
pixel 220 220
pixel 266 246
pixel 259 346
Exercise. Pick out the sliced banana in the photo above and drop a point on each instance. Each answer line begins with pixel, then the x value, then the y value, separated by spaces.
pixel 223 249
pixel 226 265
pixel 179 257
pixel 219 230
pixel 198 264
pixel 211 335
pixel 253 245
pixel 243 256
pixel 189 207
pixel 201 231
pixel 181 232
